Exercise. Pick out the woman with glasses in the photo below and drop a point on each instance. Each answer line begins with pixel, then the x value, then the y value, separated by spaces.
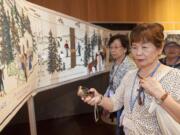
pixel 172 53
pixel 146 47
pixel 119 50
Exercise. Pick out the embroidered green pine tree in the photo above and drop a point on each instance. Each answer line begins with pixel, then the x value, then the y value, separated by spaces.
pixel 54 60
pixel 14 34
pixel 94 41
pixel 99 42
pixel 87 50
pixel 7 48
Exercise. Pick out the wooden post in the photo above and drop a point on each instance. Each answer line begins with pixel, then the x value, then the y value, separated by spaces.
pixel 73 47
pixel 32 117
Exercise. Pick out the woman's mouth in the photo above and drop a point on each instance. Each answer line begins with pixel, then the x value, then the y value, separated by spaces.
pixel 140 60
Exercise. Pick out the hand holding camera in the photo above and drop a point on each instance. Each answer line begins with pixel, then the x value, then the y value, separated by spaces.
pixel 84 92
pixel 89 96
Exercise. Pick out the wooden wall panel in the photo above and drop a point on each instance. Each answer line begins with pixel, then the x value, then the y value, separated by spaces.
pixel 130 11
pixel 75 8
pixel 107 10
pixel 133 10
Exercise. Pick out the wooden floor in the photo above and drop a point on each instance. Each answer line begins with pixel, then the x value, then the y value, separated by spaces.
pixel 76 125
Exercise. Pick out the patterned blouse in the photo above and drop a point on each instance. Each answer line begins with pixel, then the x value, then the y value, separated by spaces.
pixel 117 73
pixel 137 120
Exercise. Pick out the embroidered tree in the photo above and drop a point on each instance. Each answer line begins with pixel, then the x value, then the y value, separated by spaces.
pixel 99 42
pixel 27 25
pixel 14 34
pixel 2 47
pixel 87 50
pixel 94 41
pixel 18 19
pixel 54 60
pixel 7 49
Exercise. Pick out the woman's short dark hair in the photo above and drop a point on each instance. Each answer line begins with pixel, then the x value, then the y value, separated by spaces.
pixel 123 39
pixel 148 32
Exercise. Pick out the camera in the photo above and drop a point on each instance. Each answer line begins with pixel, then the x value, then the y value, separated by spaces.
pixel 84 92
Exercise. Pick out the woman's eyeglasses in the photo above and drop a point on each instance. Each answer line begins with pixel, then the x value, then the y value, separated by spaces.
pixel 115 48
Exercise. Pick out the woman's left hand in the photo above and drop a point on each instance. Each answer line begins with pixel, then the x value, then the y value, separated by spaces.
pixel 152 86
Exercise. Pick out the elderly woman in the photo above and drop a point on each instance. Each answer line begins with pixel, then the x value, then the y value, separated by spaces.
pixel 119 50
pixel 146 44
pixel 172 52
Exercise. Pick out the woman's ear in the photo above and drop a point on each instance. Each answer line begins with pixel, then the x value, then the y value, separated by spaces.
pixel 125 50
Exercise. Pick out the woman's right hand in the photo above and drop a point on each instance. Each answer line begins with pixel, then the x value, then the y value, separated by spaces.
pixel 92 100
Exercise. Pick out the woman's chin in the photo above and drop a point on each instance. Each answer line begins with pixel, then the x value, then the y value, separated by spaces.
pixel 115 57
pixel 141 64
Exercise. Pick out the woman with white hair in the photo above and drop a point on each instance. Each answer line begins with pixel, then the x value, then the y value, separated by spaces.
pixel 172 52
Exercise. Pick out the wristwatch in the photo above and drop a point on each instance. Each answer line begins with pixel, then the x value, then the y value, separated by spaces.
pixel 162 99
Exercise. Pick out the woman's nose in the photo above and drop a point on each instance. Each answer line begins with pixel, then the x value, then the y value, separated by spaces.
pixel 139 51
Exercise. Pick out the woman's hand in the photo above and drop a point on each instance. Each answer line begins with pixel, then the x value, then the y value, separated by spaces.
pixel 92 100
pixel 152 87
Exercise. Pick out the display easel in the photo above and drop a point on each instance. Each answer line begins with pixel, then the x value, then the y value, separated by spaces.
pixel 30 103
pixel 29 97
pixel 31 114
